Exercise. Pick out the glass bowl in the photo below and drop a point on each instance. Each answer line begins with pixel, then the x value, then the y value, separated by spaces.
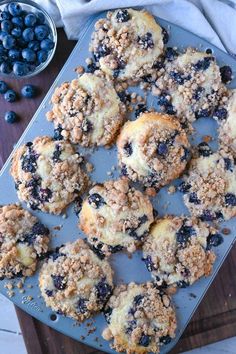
pixel 31 6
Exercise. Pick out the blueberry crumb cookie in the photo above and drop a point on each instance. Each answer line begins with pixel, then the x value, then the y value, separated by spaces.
pixel 115 216
pixel 23 239
pixel 126 43
pixel 48 174
pixel 178 252
pixel 209 188
pixel 189 85
pixel 153 150
pixel 87 110
pixel 140 319
pixel 75 282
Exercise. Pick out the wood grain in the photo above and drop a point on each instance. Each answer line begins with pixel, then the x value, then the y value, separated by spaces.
pixel 215 318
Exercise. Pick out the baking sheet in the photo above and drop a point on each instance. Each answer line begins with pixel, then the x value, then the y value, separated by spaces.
pixel 186 300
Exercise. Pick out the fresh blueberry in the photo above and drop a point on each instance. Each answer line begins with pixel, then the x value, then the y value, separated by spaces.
pixel 18 21
pixel 34 45
pixel 96 199
pixel 14 9
pixel 145 340
pixel 8 41
pixel 57 133
pixel 40 229
pixel 122 16
pixel 170 54
pixel 20 68
pixel 214 240
pixel 107 313
pixel 165 340
pixel 193 198
pixel 5 15
pixel 184 187
pixel 6 26
pixel 41 32
pixel 220 113
pixel 40 18
pixel 81 305
pixel 10 96
pixel 162 149
pixel 10 117
pixel 103 290
pixel 14 54
pixel 204 149
pixel 184 233
pixel 146 41
pixel 28 91
pixel 141 108
pixel 29 55
pixel 101 51
pixel 42 56
pixel 226 74
pixel 230 199
pixel 165 35
pixel 3 87
pixel 128 149
pixel 28 34
pixel 59 282
pixel 6 68
pixel 16 32
pixel 202 113
pixel 228 164
pixel 30 20
pixel 197 93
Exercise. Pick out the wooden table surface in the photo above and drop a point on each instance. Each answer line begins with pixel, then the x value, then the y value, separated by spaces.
pixel 215 318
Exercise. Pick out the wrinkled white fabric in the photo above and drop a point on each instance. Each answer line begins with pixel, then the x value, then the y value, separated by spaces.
pixel 214 20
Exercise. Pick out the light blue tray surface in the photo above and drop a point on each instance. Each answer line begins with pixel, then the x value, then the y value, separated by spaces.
pixel 126 269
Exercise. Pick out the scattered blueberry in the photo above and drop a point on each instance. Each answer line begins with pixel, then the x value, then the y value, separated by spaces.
pixel 41 32
pixel 230 199
pixel 17 21
pixel 6 26
pixel 128 149
pixel 103 290
pixel 122 16
pixel 184 187
pixel 162 149
pixel 81 305
pixel 59 282
pixel 193 198
pixel 5 68
pixel 220 113
pixel 214 240
pixel 56 154
pixel 28 91
pixel 165 35
pixel 28 34
pixel 3 87
pixel 226 74
pixel 204 149
pixel 96 199
pixel 146 41
pixel 20 68
pixel 14 9
pixel 165 340
pixel 42 56
pixel 145 340
pixel 141 108
pixel 46 44
pixel 170 54
pixel 30 20
pixel 10 117
pixel 8 41
pixel 10 96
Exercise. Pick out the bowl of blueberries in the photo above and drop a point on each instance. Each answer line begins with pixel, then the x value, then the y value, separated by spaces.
pixel 28 38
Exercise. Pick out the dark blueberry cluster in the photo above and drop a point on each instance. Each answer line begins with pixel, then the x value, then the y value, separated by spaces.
pixel 165 103
pixel 220 113
pixel 144 340
pixel 202 113
pixel 193 198
pixel 128 149
pixel 81 305
pixel 103 290
pixel 203 64
pixel 29 160
pixel 122 15
pixel 184 187
pixel 25 40
pixel 226 74
pixel 214 240
pixel 160 63
pixel 198 93
pixel 101 51
pixel 98 248
pixel 179 78
pixel 124 96
pixel 59 282
pixel 184 233
pixel 146 41
pixel 230 199
pixel 96 199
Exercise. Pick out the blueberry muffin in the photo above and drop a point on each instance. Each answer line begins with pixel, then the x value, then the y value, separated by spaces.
pixel 178 252
pixel 189 85
pixel 126 43
pixel 209 188
pixel 140 319
pixel 23 239
pixel 226 116
pixel 153 150
pixel 87 111
pixel 115 216
pixel 75 282
pixel 48 174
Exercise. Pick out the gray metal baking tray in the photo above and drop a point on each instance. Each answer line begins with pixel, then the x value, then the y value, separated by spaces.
pixel 126 269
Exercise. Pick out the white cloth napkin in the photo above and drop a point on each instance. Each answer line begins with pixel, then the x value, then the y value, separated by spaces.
pixel 214 20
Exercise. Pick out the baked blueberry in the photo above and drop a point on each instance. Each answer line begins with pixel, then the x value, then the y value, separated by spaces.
pixel 165 35
pixel 10 117
pixel 165 340
pixel 103 290
pixel 214 240
pixel 204 149
pixel 101 51
pixel 96 200
pixel 202 113
pixel 184 187
pixel 107 313
pixel 146 41
pixel 203 64
pixel 193 198
pixel 230 199
pixel 128 148
pixel 226 74
pixel 144 340
pixel 184 233
pixel 198 93
pixel 122 15
pixel 162 149
pixel 57 133
pixel 220 113
pixel 171 54
pixel 141 108
pixel 81 305
pixel 229 165
pixel 59 282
